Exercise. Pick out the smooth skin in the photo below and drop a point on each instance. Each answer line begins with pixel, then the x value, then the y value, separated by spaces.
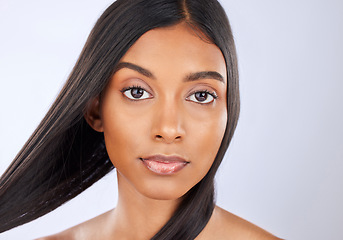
pixel 167 97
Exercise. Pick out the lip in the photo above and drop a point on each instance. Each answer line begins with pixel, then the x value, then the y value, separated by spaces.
pixel 164 165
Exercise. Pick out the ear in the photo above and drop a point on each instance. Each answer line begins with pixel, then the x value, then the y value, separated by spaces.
pixel 92 115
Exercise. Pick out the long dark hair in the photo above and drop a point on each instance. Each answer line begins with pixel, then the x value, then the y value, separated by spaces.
pixel 64 155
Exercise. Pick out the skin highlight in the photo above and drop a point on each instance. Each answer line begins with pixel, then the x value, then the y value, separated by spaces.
pixel 166 118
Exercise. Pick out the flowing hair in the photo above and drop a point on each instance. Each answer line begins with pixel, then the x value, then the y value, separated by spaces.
pixel 64 156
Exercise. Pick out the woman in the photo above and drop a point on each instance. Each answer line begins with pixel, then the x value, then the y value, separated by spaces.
pixel 155 95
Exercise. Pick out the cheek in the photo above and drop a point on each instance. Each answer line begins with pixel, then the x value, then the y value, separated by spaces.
pixel 206 139
pixel 122 132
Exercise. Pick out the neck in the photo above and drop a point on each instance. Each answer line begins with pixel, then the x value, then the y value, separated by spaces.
pixel 137 216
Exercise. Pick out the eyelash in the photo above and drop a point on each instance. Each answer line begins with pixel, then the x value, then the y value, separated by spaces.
pixel 131 87
pixel 213 94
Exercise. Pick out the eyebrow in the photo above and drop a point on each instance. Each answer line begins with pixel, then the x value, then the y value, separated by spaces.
pixel 136 68
pixel 205 75
pixel 191 77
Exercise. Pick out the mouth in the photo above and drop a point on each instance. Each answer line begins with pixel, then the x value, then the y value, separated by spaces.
pixel 164 165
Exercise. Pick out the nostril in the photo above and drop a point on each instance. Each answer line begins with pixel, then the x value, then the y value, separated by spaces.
pixel 167 138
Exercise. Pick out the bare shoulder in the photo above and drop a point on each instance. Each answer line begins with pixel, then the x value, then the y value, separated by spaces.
pixel 225 225
pixel 82 231
pixel 71 233
pixel 58 236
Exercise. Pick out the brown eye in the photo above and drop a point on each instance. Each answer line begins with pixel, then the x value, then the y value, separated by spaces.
pixel 202 97
pixel 136 93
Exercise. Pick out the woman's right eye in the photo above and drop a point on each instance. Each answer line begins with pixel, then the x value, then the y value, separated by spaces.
pixel 136 93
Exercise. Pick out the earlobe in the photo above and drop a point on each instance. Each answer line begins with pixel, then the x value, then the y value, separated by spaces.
pixel 92 115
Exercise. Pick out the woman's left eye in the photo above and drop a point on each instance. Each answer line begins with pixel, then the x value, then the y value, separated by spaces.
pixel 136 93
pixel 202 97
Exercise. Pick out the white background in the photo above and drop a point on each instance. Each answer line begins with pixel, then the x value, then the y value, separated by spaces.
pixel 284 169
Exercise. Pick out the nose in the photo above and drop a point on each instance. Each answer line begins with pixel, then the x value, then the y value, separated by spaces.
pixel 168 124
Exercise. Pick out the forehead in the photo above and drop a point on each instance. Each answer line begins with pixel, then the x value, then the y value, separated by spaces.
pixel 177 49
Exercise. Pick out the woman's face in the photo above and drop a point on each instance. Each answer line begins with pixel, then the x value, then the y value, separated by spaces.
pixel 164 111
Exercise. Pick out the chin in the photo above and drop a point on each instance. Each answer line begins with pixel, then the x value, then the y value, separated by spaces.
pixel 164 192
pixel 163 195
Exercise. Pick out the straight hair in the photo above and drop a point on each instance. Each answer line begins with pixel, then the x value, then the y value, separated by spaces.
pixel 64 155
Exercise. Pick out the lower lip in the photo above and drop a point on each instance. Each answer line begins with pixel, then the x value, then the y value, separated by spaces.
pixel 164 168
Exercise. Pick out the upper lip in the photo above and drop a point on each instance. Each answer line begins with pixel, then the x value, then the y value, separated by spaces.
pixel 165 158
